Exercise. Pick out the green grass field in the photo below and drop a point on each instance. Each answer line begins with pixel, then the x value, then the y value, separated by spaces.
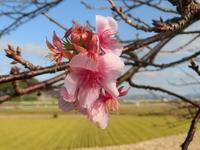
pixel 37 129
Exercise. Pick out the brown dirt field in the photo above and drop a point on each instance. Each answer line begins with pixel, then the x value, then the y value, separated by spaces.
pixel 164 143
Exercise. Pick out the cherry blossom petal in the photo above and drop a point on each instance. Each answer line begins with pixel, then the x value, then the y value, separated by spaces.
pixel 111 88
pixel 114 46
pixel 71 83
pixel 111 66
pixel 82 61
pixel 105 23
pixel 65 106
pixel 67 54
pixel 80 49
pixel 65 95
pixel 50 46
pixel 87 96
pixel 106 29
pixel 112 23
pixel 101 24
pixel 94 44
pixel 56 41
pixel 99 114
pixel 123 92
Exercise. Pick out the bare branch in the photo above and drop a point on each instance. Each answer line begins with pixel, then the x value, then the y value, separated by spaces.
pixel 182 46
pixel 30 74
pixel 127 19
pixel 194 67
pixel 33 88
pixel 54 21
pixel 20 15
pixel 191 131
pixel 16 56
pixel 147 87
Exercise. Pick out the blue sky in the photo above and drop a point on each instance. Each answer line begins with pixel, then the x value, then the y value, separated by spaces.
pixel 37 29
pixel 34 32
pixel 31 38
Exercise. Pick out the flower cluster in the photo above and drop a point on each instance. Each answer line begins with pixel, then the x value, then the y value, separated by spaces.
pixel 95 65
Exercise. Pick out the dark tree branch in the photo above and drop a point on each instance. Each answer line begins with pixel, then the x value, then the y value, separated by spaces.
pixel 127 19
pixel 191 131
pixel 19 12
pixel 33 88
pixel 194 67
pixel 30 74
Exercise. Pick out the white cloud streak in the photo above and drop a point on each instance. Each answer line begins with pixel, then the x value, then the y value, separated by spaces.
pixel 27 48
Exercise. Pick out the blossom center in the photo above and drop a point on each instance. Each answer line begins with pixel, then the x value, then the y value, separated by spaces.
pixel 91 78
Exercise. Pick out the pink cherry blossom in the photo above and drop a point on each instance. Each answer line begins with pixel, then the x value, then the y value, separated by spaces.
pixel 80 36
pixel 123 92
pixel 99 114
pixel 79 33
pixel 92 49
pixel 90 87
pixel 88 76
pixel 67 103
pixel 99 111
pixel 106 28
pixel 83 40
pixel 57 51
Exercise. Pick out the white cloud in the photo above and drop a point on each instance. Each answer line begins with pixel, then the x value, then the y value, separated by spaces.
pixel 27 48
pixel 34 53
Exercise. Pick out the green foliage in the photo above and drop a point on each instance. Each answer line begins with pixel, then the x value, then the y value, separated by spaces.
pixel 8 86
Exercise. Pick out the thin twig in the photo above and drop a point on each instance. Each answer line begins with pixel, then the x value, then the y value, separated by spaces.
pixel 127 19
pixel 147 87
pixel 54 21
